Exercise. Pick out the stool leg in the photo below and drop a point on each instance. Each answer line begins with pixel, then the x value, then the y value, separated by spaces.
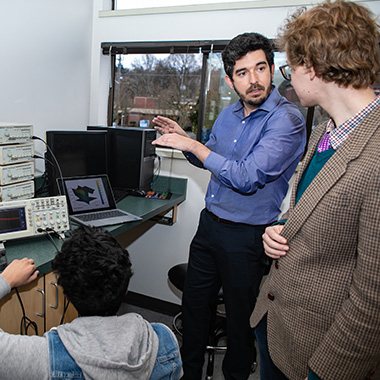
pixel 212 343
pixel 210 364
pixel 254 364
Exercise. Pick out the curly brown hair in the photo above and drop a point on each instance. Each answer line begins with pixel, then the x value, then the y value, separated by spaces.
pixel 340 40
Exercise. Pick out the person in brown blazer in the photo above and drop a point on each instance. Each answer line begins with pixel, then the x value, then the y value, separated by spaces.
pixel 318 312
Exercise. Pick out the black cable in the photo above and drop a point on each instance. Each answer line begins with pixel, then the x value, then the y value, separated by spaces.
pixel 45 180
pixel 67 302
pixel 48 179
pixel 54 232
pixel 66 305
pixel 156 176
pixel 56 162
pixel 157 171
pixel 25 322
pixel 47 232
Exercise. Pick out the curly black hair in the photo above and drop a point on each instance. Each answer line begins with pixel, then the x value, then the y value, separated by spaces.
pixel 243 44
pixel 93 270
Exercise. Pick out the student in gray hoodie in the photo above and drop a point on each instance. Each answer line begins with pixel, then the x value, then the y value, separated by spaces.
pixel 94 272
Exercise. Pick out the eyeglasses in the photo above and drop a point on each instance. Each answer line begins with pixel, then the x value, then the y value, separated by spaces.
pixel 286 72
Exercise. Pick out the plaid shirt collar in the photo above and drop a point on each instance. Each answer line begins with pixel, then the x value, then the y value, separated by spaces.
pixel 339 134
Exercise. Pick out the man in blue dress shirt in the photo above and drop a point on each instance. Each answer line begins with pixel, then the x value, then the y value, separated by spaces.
pixel 253 150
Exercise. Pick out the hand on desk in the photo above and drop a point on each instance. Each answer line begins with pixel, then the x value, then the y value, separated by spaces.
pixel 20 272
pixel 275 244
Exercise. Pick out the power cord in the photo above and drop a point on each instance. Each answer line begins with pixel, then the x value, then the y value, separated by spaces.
pixel 26 322
pixel 56 162
pixel 48 232
pixel 45 180
pixel 66 305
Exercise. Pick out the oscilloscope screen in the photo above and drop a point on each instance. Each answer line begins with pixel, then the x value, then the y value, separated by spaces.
pixel 12 220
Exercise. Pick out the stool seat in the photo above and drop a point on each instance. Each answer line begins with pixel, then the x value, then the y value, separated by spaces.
pixel 177 276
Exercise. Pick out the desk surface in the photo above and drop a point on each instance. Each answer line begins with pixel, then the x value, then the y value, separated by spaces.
pixel 42 250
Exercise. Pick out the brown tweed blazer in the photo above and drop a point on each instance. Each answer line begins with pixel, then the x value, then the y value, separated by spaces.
pixel 325 307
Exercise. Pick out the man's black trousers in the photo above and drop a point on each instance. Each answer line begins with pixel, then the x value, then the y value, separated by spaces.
pixel 230 255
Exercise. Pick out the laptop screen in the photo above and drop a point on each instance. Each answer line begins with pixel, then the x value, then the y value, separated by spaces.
pixel 88 194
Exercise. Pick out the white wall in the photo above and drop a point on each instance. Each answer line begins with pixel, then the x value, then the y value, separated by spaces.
pixel 45 64
pixel 161 247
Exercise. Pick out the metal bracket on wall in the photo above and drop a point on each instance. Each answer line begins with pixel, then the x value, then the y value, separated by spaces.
pixel 167 218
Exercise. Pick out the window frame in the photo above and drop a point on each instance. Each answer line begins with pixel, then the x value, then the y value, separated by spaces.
pixel 174 47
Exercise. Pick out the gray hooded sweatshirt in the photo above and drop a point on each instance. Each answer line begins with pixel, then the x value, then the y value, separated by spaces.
pixel 120 347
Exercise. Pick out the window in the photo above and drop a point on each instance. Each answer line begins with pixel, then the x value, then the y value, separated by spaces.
pixel 127 4
pixel 181 80
pixel 147 85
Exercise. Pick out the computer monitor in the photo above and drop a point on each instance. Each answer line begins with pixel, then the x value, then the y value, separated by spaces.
pixel 131 156
pixel 77 152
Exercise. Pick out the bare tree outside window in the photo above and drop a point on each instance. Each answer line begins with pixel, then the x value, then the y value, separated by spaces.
pixel 187 85
pixel 157 84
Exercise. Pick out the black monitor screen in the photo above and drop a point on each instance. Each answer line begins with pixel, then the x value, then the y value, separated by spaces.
pixel 77 153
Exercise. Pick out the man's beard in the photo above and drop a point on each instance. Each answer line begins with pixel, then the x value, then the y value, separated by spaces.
pixel 255 102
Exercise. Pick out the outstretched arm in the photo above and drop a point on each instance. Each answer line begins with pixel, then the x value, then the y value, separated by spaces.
pixel 173 136
pixel 20 272
pixel 184 144
pixel 166 125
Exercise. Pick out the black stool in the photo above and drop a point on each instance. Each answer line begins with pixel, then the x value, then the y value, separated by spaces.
pixel 217 329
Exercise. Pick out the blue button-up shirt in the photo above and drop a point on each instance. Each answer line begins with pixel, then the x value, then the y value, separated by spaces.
pixel 252 160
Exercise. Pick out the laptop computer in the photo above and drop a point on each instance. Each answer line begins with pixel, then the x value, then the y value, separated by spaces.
pixel 90 201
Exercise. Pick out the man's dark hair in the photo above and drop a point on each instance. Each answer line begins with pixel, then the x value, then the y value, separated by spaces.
pixel 93 270
pixel 242 44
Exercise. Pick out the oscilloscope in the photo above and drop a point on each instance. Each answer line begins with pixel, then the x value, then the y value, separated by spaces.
pixel 33 217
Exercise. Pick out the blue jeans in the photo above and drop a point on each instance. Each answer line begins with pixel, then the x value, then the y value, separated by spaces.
pixel 62 365
pixel 168 362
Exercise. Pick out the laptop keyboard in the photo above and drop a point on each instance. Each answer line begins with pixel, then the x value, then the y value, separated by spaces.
pixel 100 215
